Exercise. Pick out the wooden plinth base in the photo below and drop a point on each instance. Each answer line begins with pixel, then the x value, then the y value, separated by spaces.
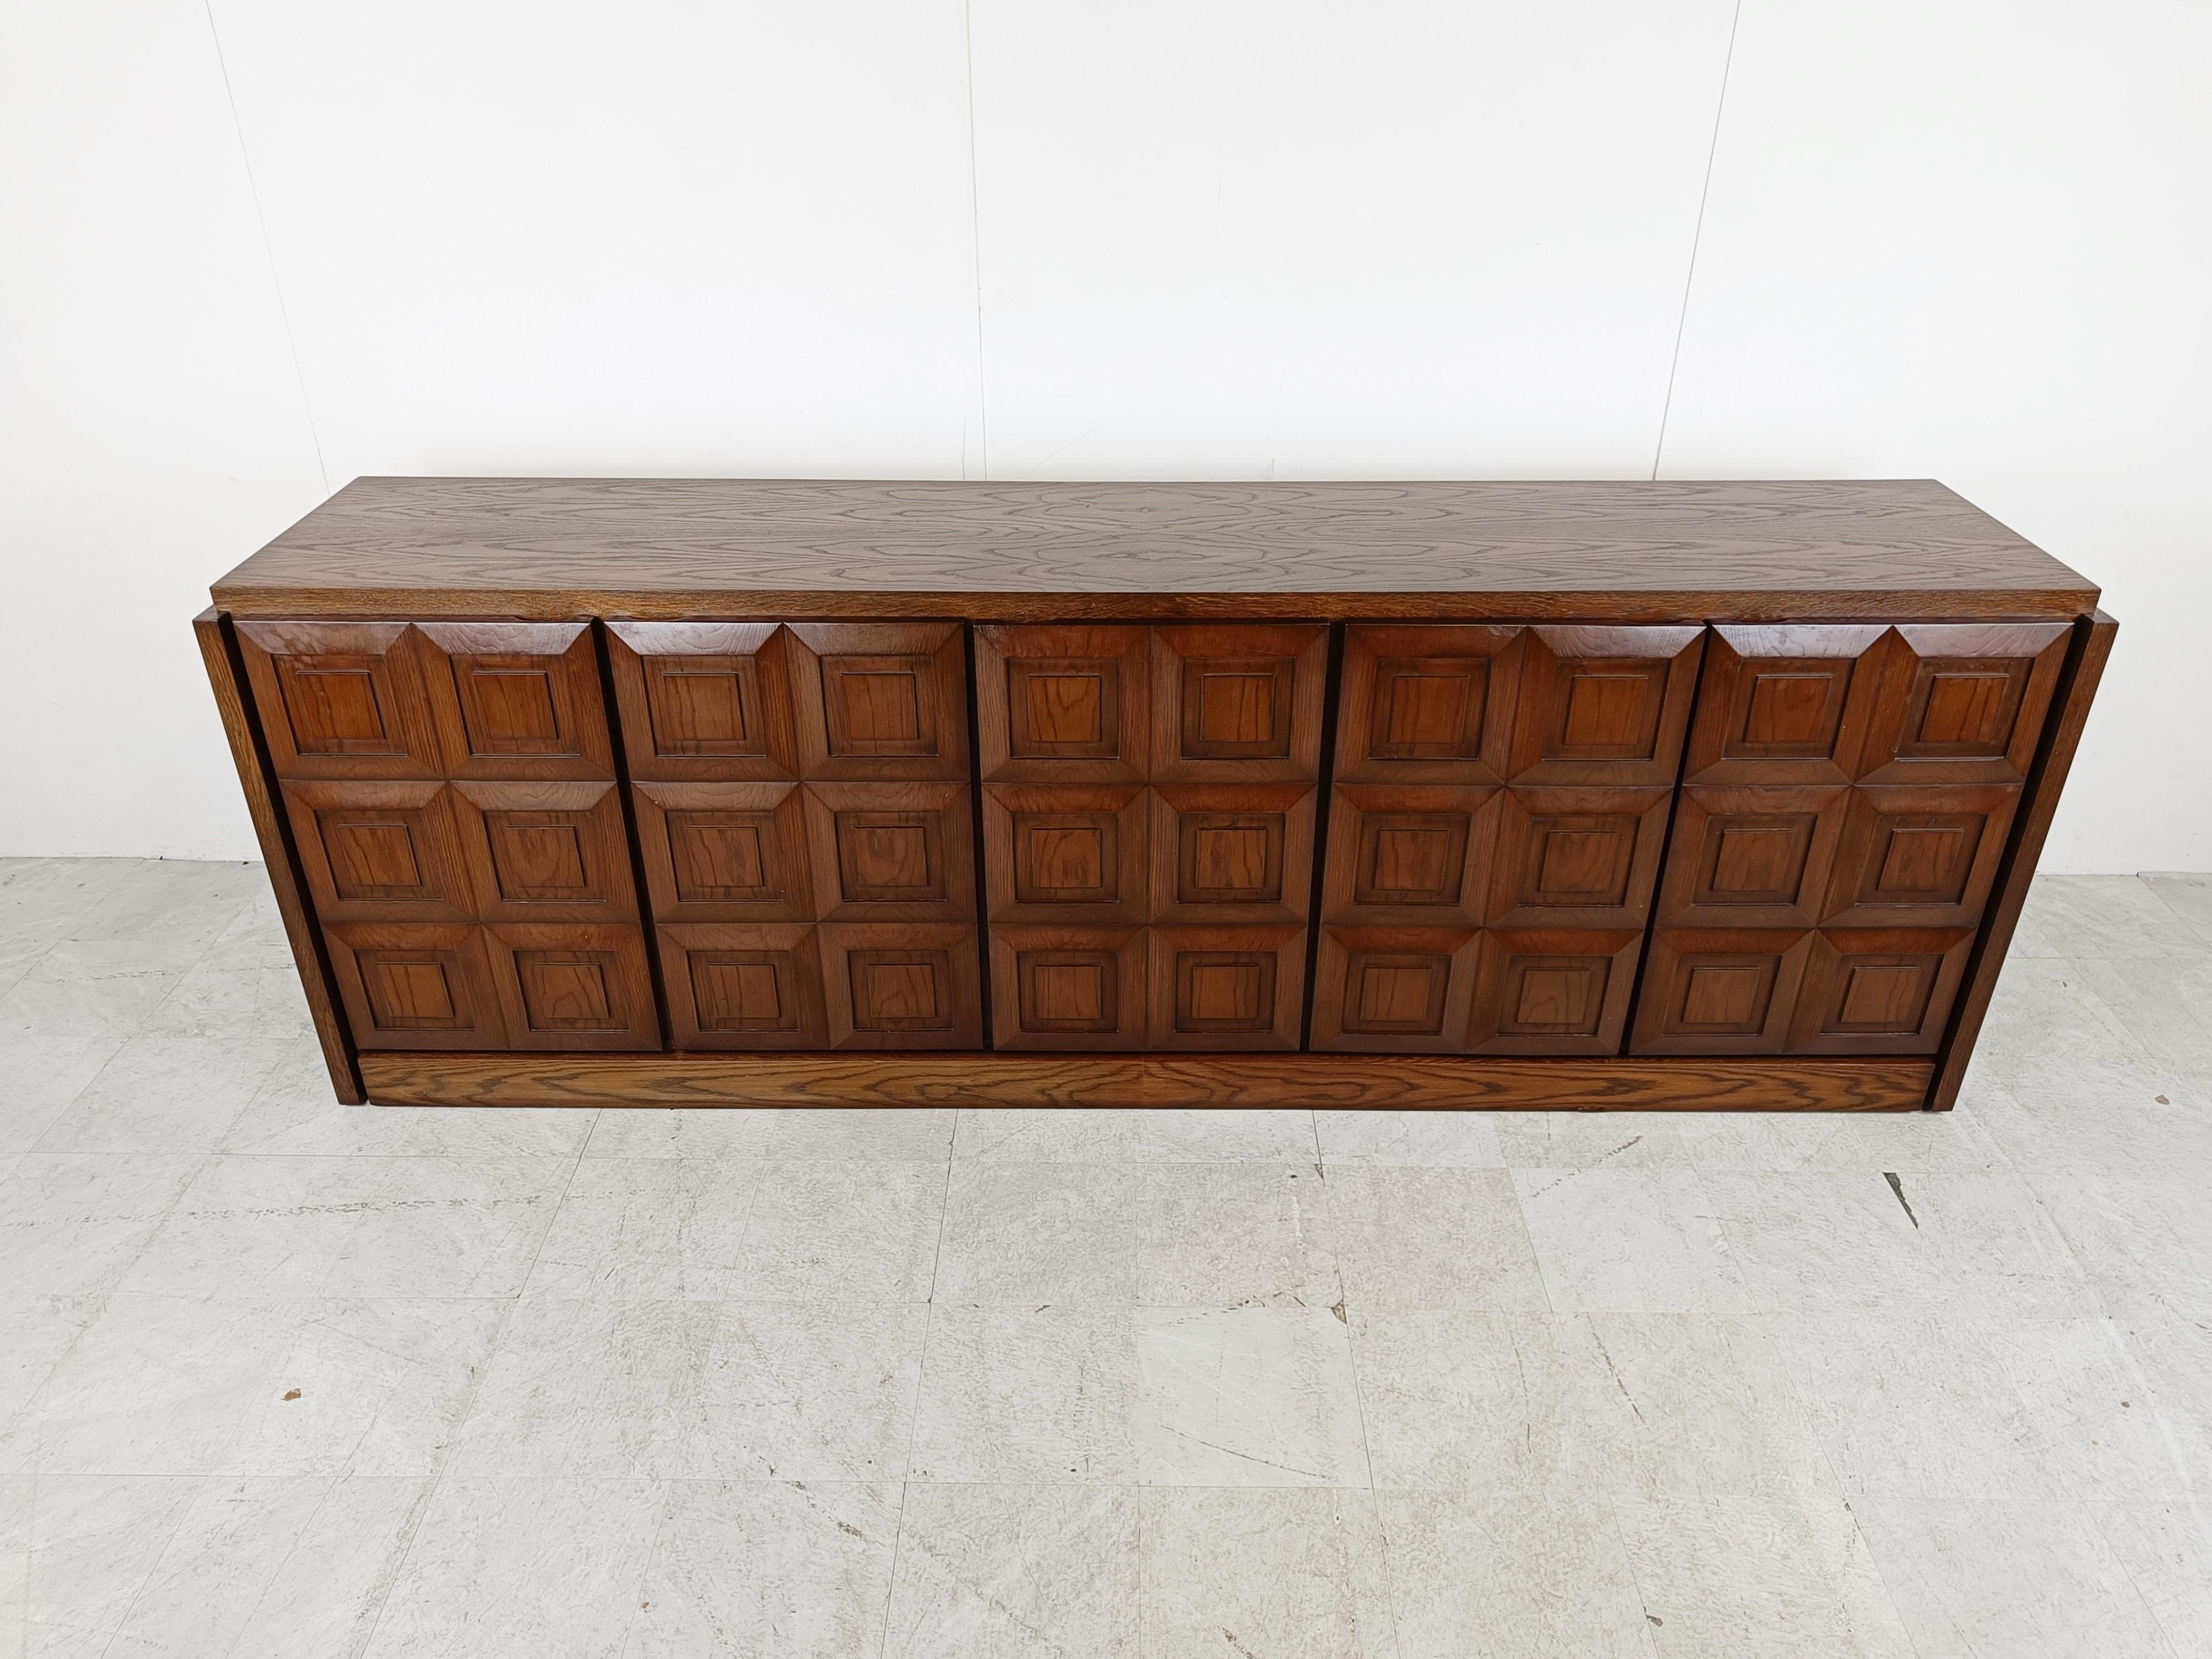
pixel 1336 1081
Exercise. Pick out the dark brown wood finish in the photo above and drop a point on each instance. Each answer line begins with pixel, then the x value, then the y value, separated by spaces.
pixel 255 777
pixel 1848 792
pixel 451 790
pixel 1344 1082
pixel 1513 780
pixel 1747 779
pixel 576 548
pixel 1149 809
pixel 2084 667
pixel 806 831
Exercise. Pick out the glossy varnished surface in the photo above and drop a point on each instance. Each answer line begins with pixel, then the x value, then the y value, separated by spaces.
pixel 1619 551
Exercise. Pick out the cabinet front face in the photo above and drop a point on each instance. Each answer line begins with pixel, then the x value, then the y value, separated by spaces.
pixel 1495 833
pixel 805 826
pixel 451 790
pixel 1848 796
pixel 1149 806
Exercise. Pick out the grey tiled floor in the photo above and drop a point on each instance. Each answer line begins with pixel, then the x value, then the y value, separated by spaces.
pixel 283 1377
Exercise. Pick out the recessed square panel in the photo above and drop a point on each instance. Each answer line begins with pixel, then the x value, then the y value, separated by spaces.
pixel 1428 709
pixel 1752 856
pixel 1067 988
pixel 1604 705
pixel 378 852
pixel 890 856
pixel 1411 857
pixel 1720 990
pixel 340 700
pixel 725 852
pixel 1393 990
pixel 1786 704
pixel 518 700
pixel 415 986
pixel 1232 855
pixel 1064 708
pixel 703 702
pixel 890 852
pixel 1075 855
pixel 546 852
pixel 1965 702
pixel 575 987
pixel 1577 858
pixel 902 985
pixel 1880 990
pixel 1226 988
pixel 1920 857
pixel 1237 709
pixel 740 987
pixel 879 702
pixel 1237 702
pixel 1068 858
pixel 1426 703
pixel 1545 991
pixel 1063 702
pixel 878 706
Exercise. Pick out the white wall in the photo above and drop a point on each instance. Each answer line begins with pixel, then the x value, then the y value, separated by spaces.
pixel 251 249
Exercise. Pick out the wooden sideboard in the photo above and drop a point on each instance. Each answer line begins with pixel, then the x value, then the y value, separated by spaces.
pixel 1637 795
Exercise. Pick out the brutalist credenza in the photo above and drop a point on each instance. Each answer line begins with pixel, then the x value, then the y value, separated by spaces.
pixel 1664 795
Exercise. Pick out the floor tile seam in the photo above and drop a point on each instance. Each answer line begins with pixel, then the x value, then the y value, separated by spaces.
pixel 1343 1312
pixel 637 1601
pixel 444 1456
pixel 1635 1578
pixel 322 1502
pixel 154 1566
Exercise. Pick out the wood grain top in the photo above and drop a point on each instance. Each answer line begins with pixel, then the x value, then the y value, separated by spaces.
pixel 717 547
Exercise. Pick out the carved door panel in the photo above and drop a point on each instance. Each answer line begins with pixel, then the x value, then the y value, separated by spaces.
pixel 748 986
pixel 1604 706
pixel 910 985
pixel 1068 987
pixel 1403 990
pixel 574 986
pixel 414 985
pixel 725 852
pixel 1879 991
pixel 1238 702
pixel 1964 702
pixel 1227 988
pixel 1067 856
pixel 879 702
pixel 1552 992
pixel 1754 856
pixel 546 852
pixel 379 852
pixel 1410 857
pixel 1787 704
pixel 1063 704
pixel 341 700
pixel 1427 703
pixel 1919 857
pixel 517 700
pixel 704 701
pixel 1232 856
pixel 1577 858
pixel 1721 990
pixel 891 852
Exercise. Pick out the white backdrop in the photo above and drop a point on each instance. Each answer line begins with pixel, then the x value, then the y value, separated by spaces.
pixel 252 248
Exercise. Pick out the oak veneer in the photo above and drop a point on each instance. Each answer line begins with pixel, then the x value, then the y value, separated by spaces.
pixel 1610 795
